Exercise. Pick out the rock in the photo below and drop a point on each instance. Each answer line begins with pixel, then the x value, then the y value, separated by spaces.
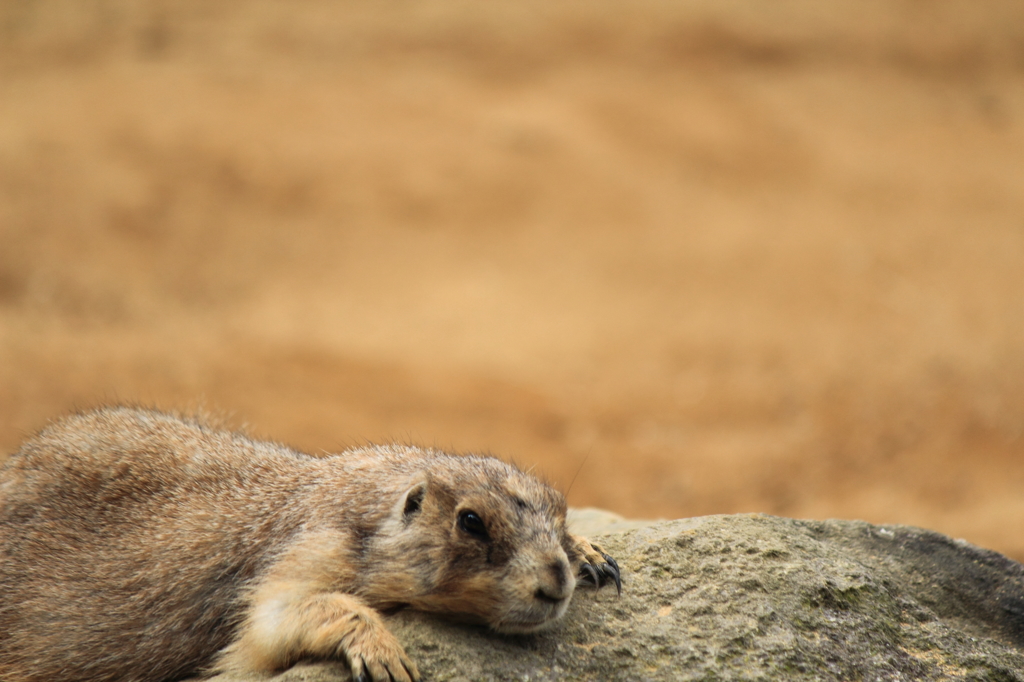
pixel 588 521
pixel 754 598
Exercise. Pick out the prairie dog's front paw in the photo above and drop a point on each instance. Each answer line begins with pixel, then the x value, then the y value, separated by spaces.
pixel 291 622
pixel 597 567
pixel 374 655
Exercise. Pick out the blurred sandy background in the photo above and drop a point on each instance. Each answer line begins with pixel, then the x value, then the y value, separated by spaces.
pixel 714 256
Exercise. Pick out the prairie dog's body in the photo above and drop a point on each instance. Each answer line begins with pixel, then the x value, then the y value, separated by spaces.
pixel 135 545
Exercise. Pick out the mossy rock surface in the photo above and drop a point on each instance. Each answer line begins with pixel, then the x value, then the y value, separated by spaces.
pixel 755 597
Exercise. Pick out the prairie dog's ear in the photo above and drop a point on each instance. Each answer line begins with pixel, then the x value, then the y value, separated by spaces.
pixel 411 501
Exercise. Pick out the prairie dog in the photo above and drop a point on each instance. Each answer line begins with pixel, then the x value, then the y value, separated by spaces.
pixel 136 545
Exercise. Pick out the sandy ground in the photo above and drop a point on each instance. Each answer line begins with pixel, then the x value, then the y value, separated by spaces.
pixel 681 257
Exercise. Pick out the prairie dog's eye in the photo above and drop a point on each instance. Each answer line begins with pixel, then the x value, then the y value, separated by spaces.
pixel 470 522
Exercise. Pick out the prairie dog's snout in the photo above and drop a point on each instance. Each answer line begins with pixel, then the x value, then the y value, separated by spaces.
pixel 552 585
pixel 554 582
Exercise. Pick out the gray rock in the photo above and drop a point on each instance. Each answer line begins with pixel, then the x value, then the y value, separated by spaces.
pixel 755 598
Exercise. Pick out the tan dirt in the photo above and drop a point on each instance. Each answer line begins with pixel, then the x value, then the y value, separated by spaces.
pixel 691 258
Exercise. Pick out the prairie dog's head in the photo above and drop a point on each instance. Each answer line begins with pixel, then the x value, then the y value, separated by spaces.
pixel 477 538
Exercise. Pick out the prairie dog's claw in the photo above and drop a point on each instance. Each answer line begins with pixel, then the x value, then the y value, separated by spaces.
pixel 611 572
pixel 592 573
pixel 597 566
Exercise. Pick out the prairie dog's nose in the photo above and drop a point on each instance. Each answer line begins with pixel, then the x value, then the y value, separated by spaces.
pixel 555 583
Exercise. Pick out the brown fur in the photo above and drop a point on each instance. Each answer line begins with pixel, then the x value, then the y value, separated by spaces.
pixel 135 545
